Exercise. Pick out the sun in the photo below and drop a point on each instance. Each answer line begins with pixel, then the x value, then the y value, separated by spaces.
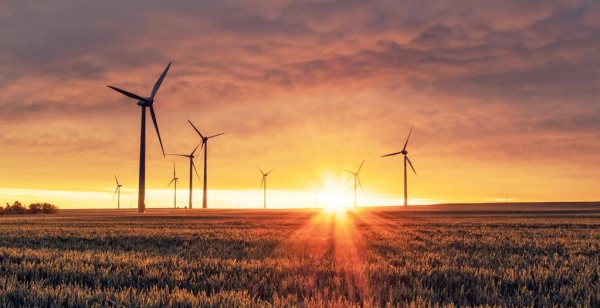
pixel 333 202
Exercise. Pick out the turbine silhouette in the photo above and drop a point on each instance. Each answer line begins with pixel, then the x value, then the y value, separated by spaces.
pixel 118 191
pixel 264 180
pixel 145 103
pixel 191 157
pixel 174 180
pixel 356 177
pixel 205 146
pixel 406 159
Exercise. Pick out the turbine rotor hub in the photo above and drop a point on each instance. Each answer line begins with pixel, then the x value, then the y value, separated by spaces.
pixel 404 152
pixel 146 103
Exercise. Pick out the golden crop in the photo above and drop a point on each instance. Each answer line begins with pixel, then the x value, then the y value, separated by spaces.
pixel 301 258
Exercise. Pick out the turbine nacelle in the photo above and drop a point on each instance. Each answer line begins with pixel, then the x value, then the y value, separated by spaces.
pixel 404 152
pixel 147 102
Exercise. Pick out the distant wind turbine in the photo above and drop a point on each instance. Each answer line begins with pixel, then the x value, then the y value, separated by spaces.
pixel 356 177
pixel 406 159
pixel 118 191
pixel 191 157
pixel 264 180
pixel 144 103
pixel 174 180
pixel 205 145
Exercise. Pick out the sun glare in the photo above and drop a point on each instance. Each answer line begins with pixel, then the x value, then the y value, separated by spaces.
pixel 333 202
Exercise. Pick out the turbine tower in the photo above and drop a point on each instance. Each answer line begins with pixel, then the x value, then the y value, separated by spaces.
pixel 174 180
pixel 205 145
pixel 118 191
pixel 264 180
pixel 191 157
pixel 356 177
pixel 406 159
pixel 145 103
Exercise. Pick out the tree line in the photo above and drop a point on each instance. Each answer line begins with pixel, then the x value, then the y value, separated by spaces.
pixel 35 208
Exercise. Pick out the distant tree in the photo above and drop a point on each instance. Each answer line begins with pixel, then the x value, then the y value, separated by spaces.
pixel 48 208
pixel 35 208
pixel 15 208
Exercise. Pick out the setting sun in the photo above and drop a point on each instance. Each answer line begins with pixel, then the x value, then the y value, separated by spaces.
pixel 333 202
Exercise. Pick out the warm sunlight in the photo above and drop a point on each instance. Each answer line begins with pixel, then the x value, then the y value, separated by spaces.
pixel 332 199
pixel 333 202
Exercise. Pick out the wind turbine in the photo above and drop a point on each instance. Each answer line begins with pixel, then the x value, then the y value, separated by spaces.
pixel 406 159
pixel 175 180
pixel 144 103
pixel 191 157
pixel 356 177
pixel 118 190
pixel 264 180
pixel 205 145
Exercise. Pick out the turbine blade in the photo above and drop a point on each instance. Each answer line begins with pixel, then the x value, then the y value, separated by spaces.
pixel 134 96
pixel 115 192
pixel 194 151
pixel 156 126
pixel 260 170
pixel 197 175
pixel 413 168
pixel 116 180
pixel 359 184
pixel 262 181
pixel 215 135
pixel 404 148
pixel 360 166
pixel 196 129
pixel 200 156
pixel 171 182
pixel 159 81
pixel 348 171
pixel 269 172
pixel 174 170
pixel 348 179
pixel 177 155
pixel 392 154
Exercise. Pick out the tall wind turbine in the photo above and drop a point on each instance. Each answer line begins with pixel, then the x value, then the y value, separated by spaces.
pixel 191 157
pixel 205 145
pixel 118 190
pixel 264 180
pixel 406 159
pixel 356 177
pixel 174 180
pixel 144 103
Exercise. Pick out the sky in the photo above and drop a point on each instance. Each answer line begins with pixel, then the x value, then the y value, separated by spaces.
pixel 503 97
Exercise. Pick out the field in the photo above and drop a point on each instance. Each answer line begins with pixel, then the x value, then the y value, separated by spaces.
pixel 447 255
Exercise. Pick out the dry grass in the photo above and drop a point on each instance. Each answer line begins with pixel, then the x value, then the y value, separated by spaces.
pixel 541 255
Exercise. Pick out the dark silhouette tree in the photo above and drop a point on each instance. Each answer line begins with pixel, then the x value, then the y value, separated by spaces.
pixel 15 208
pixel 48 208
pixel 35 208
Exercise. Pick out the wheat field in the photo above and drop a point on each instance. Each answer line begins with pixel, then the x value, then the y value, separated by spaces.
pixel 447 256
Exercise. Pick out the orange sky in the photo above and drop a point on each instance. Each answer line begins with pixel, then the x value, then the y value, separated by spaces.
pixel 503 98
